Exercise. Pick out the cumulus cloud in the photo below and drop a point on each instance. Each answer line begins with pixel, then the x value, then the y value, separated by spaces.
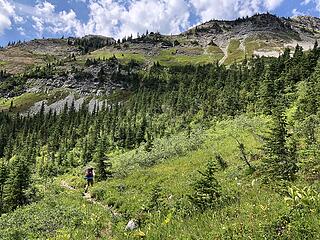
pixel 21 30
pixel 230 9
pixel 225 9
pixel 317 5
pixel 113 18
pixel 119 18
pixel 46 18
pixel 305 2
pixel 272 4
pixel 6 13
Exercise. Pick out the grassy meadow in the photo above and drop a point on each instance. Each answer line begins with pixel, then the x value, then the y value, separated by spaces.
pixel 165 176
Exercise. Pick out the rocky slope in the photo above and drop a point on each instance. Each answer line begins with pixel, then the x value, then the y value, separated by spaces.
pixel 87 67
pixel 226 41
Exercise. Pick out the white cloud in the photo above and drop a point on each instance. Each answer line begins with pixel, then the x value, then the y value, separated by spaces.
pixel 230 9
pixel 272 4
pixel 305 2
pixel 46 18
pixel 112 18
pixel 315 2
pixel 18 19
pixel 6 13
pixel 296 12
pixel 21 30
pixel 225 9
pixel 317 5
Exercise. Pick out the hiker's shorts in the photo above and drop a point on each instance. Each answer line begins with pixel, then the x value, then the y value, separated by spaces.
pixel 90 181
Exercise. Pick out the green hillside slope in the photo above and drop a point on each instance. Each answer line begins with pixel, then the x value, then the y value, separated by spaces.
pixel 156 195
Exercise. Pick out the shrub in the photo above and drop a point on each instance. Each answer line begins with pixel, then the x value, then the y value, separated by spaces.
pixel 97 193
pixel 156 199
pixel 300 221
pixel 162 149
pixel 303 198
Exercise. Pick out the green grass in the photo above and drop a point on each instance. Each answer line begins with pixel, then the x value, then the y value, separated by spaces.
pixel 56 95
pixel 2 63
pixel 235 54
pixel 253 44
pixel 126 56
pixel 189 56
pixel 62 214
pixel 25 101
pixel 22 102
pixel 249 218
pixel 258 206
pixel 214 50
pixel 254 211
pixel 168 57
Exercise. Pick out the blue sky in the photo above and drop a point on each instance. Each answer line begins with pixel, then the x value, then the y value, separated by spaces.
pixel 29 19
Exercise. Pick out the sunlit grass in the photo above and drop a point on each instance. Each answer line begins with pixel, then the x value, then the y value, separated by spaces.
pixel 235 54
pixel 252 209
pixel 22 102
pixel 125 56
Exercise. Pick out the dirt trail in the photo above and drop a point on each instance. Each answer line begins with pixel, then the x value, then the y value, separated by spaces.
pixel 64 184
pixel 225 51
pixel 87 196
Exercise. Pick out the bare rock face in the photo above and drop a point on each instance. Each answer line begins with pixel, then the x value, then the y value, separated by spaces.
pixel 259 25
pixel 132 225
pixel 306 23
pixel 95 79
pixel 57 107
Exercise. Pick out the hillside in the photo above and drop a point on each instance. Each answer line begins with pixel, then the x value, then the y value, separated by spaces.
pixel 189 136
pixel 58 71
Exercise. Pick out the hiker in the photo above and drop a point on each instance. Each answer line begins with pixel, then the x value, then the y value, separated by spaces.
pixel 89 176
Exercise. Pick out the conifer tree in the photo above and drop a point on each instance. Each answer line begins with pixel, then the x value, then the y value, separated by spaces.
pixel 18 183
pixel 267 94
pixel 4 172
pixel 156 198
pixel 85 155
pixel 103 163
pixel 280 162
pixel 207 190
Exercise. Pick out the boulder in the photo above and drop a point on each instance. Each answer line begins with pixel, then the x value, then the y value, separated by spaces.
pixel 132 224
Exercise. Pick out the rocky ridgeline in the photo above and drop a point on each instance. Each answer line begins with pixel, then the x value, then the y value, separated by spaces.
pixel 97 79
pixel 262 22
pixel 306 23
pixel 52 47
pixel 287 32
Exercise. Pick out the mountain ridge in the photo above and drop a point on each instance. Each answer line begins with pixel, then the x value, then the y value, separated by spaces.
pixel 272 32
pixel 77 66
